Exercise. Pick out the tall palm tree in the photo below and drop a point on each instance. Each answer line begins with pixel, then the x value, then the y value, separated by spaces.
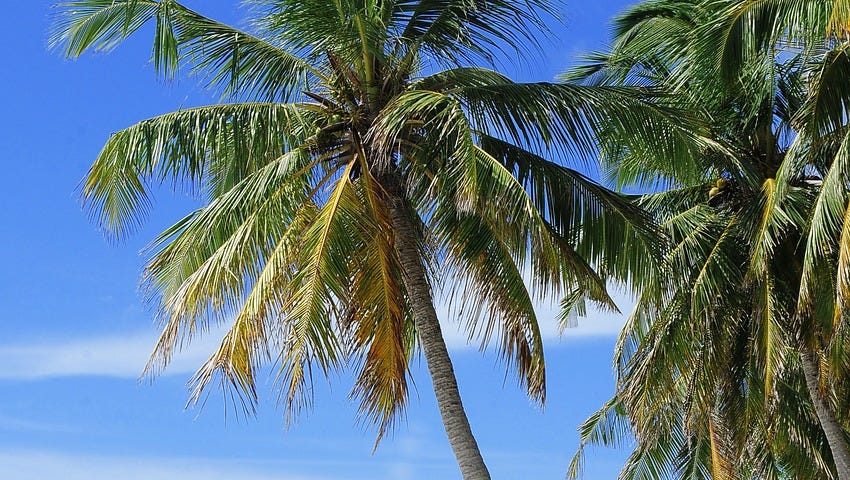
pixel 351 177
pixel 734 365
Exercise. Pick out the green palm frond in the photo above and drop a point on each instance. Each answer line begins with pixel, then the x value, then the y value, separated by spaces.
pixel 743 29
pixel 770 335
pixel 247 343
pixel 825 110
pixel 193 268
pixel 470 29
pixel 572 204
pixel 211 146
pixel 319 284
pixel 607 426
pixel 236 62
pixel 827 217
pixel 571 115
pixel 499 243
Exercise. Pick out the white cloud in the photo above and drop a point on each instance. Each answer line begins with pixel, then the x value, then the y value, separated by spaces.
pixel 125 355
pixel 39 465
pixel 14 424
pixel 110 355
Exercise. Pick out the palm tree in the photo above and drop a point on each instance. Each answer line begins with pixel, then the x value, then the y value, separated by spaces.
pixel 819 32
pixel 351 177
pixel 734 365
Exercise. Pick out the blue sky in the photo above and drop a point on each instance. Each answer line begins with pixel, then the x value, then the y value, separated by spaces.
pixel 75 333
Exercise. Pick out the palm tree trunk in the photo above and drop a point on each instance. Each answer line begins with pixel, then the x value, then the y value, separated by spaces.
pixel 831 428
pixel 456 424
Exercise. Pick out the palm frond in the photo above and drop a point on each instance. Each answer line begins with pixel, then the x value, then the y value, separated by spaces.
pixel 607 426
pixel 237 63
pixel 380 319
pixel 218 144
pixel 193 271
pixel 460 31
pixel 318 285
pixel 827 217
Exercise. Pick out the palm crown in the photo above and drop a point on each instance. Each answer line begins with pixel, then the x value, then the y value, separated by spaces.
pixel 353 175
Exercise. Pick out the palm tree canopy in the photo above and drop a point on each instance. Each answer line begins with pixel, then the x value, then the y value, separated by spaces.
pixel 333 110
pixel 711 380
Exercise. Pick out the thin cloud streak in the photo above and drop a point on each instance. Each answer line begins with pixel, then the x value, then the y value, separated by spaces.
pixel 39 465
pixel 111 356
pixel 15 424
pixel 125 355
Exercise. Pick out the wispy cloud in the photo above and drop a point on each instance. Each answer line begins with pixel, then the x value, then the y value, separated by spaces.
pixel 124 355
pixel 15 424
pixel 109 355
pixel 324 464
pixel 39 465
